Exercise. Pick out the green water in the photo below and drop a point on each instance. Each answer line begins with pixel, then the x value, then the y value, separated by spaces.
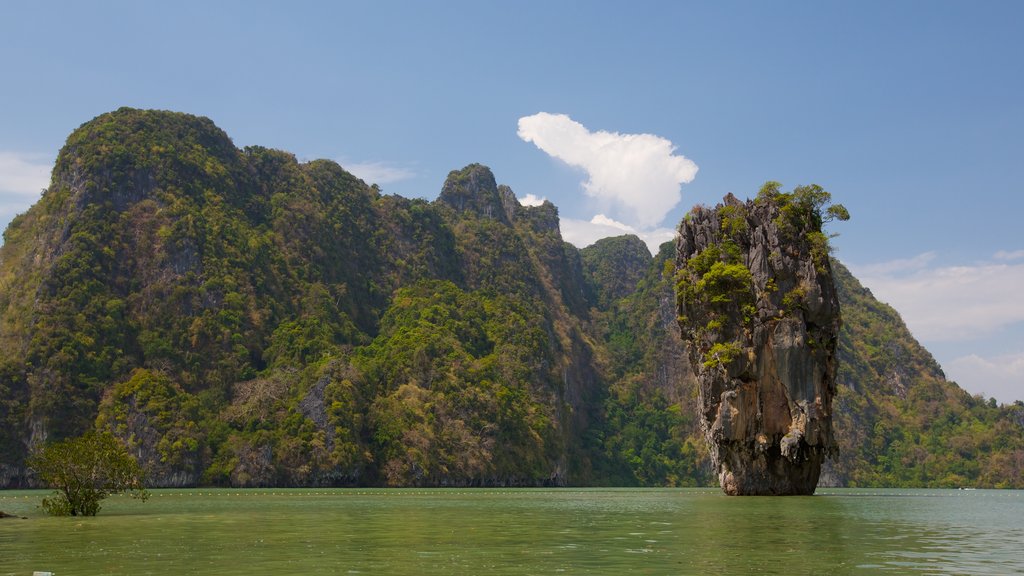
pixel 593 531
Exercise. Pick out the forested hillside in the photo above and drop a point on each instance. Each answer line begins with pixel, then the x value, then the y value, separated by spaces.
pixel 241 318
pixel 899 421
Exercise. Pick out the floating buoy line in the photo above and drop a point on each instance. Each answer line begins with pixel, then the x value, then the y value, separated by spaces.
pixel 517 492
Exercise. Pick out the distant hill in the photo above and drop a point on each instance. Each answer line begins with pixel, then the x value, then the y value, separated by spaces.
pixel 241 318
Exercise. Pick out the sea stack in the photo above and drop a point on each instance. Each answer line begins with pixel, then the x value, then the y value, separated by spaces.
pixel 760 315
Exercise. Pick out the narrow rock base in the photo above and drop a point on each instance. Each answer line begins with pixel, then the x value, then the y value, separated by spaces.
pixel 744 472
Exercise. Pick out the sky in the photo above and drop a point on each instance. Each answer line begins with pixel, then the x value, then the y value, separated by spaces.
pixel 624 115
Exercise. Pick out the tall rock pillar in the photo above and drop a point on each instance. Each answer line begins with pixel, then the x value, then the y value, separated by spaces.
pixel 759 312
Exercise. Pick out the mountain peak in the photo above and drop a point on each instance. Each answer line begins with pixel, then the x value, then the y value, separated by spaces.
pixel 474 190
pixel 240 318
pixel 127 155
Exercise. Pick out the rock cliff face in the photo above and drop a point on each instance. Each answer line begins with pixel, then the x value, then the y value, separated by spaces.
pixel 240 318
pixel 760 315
pixel 474 190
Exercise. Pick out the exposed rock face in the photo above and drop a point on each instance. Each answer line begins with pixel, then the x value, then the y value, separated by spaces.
pixel 760 315
pixel 473 189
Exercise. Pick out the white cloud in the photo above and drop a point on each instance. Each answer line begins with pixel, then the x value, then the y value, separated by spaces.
pixel 999 377
pixel 894 266
pixel 948 303
pixel 582 233
pixel 24 174
pixel 655 238
pixel 603 220
pixel 1009 255
pixel 531 200
pixel 379 172
pixel 961 310
pixel 22 178
pixel 636 177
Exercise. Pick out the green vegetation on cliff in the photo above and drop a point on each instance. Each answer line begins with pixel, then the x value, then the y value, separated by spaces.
pixel 237 317
pixel 900 422
pixel 650 434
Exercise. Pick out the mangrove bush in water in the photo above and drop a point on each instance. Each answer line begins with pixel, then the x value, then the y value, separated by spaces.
pixel 84 471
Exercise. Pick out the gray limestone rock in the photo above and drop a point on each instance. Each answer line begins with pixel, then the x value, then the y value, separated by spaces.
pixel 474 190
pixel 760 316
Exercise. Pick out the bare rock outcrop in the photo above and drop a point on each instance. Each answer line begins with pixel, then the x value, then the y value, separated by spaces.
pixel 760 316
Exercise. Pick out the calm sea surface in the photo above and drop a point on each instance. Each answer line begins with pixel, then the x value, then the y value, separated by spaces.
pixel 565 531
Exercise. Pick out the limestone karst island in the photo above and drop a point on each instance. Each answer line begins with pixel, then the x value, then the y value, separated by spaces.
pixel 238 318
pixel 760 315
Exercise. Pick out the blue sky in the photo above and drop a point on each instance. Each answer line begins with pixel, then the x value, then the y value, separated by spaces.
pixel 910 112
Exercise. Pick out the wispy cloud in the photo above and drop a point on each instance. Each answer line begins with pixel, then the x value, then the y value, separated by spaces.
pixel 1009 255
pixel 949 303
pixel 1000 377
pixel 583 233
pixel 900 266
pixel 968 309
pixel 24 174
pixel 379 172
pixel 634 177
pixel 22 178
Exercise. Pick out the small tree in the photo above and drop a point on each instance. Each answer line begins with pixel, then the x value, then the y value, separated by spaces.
pixel 85 470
